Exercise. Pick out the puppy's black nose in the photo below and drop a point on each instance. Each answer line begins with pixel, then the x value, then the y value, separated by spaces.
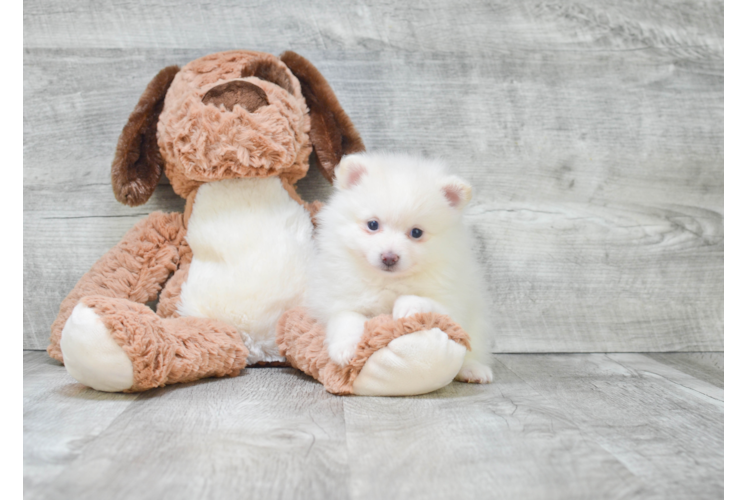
pixel 390 259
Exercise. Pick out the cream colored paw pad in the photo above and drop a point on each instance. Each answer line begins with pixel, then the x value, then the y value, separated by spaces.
pixel 91 355
pixel 413 364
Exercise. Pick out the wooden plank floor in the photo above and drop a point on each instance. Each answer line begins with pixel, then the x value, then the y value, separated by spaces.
pixel 551 426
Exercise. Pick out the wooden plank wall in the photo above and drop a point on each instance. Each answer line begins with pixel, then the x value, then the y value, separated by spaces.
pixel 592 132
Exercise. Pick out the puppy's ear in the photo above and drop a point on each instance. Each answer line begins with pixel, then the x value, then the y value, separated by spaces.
pixel 138 164
pixel 457 192
pixel 332 133
pixel 349 172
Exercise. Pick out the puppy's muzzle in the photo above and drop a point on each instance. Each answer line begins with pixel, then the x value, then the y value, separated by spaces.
pixel 389 259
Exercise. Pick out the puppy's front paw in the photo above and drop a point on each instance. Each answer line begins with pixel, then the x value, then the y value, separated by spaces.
pixel 475 372
pixel 343 335
pixel 341 353
pixel 408 305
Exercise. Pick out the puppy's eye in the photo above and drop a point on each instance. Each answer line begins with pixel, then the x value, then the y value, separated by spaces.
pixel 372 225
pixel 416 233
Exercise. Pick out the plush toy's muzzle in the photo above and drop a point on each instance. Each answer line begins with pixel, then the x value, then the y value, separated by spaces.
pixel 220 122
pixel 236 92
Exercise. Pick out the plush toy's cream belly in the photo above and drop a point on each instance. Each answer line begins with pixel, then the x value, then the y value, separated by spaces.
pixel 251 245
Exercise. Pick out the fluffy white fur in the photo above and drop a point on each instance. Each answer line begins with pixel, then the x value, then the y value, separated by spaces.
pixel 251 246
pixel 350 279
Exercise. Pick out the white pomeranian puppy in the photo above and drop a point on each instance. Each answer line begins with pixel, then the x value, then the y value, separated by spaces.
pixel 391 241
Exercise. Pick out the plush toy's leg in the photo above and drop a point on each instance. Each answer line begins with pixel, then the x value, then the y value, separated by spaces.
pixel 136 269
pixel 91 355
pixel 117 345
pixel 405 357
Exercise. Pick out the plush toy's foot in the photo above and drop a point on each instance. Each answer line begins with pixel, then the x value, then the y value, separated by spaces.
pixel 413 364
pixel 116 345
pixel 414 355
pixel 92 357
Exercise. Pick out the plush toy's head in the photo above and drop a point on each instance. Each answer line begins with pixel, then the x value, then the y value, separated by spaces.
pixel 231 115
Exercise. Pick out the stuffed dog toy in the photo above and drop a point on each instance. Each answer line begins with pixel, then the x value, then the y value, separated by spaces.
pixel 233 132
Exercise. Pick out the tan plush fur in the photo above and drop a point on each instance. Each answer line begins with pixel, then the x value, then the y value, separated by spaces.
pixel 202 143
pixel 168 300
pixel 135 269
pixel 301 340
pixel 165 351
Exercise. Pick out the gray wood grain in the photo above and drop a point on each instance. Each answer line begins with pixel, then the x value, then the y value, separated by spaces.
pixel 269 433
pixel 706 366
pixel 669 435
pixel 60 418
pixel 440 25
pixel 592 132
pixel 550 427
pixel 644 367
pixel 502 441
pixel 734 116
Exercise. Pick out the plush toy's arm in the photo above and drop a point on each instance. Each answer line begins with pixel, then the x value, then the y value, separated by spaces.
pixel 135 269
pixel 404 357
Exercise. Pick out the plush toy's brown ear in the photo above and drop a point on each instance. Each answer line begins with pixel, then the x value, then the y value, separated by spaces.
pixel 332 133
pixel 268 69
pixel 138 164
